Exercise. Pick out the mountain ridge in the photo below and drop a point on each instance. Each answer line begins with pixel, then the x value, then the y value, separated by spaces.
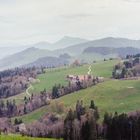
pixel 75 51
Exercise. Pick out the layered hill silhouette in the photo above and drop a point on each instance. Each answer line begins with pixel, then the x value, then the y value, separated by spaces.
pixel 76 48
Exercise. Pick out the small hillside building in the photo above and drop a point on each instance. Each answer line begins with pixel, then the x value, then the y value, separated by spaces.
pixel 81 78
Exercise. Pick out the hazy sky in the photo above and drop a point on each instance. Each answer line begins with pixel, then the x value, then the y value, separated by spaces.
pixel 30 21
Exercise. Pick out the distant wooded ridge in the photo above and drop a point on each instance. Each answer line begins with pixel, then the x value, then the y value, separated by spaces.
pixel 69 49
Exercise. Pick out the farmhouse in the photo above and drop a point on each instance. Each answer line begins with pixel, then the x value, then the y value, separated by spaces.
pixel 81 78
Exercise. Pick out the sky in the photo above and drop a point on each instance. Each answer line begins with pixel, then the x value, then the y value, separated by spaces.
pixel 32 21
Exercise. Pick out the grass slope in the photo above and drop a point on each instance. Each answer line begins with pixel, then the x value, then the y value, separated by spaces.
pixel 17 137
pixel 110 96
pixel 56 76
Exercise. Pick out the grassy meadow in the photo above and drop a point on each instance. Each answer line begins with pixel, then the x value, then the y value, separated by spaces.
pixel 56 76
pixel 110 96
pixel 17 137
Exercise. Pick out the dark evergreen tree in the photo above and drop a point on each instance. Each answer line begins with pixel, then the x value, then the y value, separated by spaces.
pixel 68 126
pixel 92 105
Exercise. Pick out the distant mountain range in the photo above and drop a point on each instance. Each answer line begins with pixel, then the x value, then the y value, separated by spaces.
pixel 9 50
pixel 105 42
pixel 60 44
pixel 48 61
pixel 68 41
pixel 21 58
pixel 76 48
pixel 122 52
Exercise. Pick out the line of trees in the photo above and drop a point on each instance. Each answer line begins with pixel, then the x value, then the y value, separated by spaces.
pixel 122 127
pixel 132 56
pixel 81 124
pixel 8 109
pixel 58 90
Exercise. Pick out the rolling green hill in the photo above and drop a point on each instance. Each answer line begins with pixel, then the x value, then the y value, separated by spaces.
pixel 109 96
pixel 56 76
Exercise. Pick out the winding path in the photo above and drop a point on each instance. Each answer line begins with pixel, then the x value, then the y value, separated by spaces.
pixel 27 90
pixel 89 70
pixel 31 87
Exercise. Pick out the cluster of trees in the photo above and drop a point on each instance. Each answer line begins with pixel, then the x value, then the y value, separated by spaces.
pixel 13 82
pixel 32 103
pixel 58 90
pixel 30 72
pixel 129 68
pixel 13 86
pixel 122 127
pixel 49 126
pixel 132 56
pixel 79 124
pixel 6 126
pixel 8 109
pixel 18 121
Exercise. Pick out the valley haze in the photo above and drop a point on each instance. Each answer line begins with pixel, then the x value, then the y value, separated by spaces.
pixel 76 48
